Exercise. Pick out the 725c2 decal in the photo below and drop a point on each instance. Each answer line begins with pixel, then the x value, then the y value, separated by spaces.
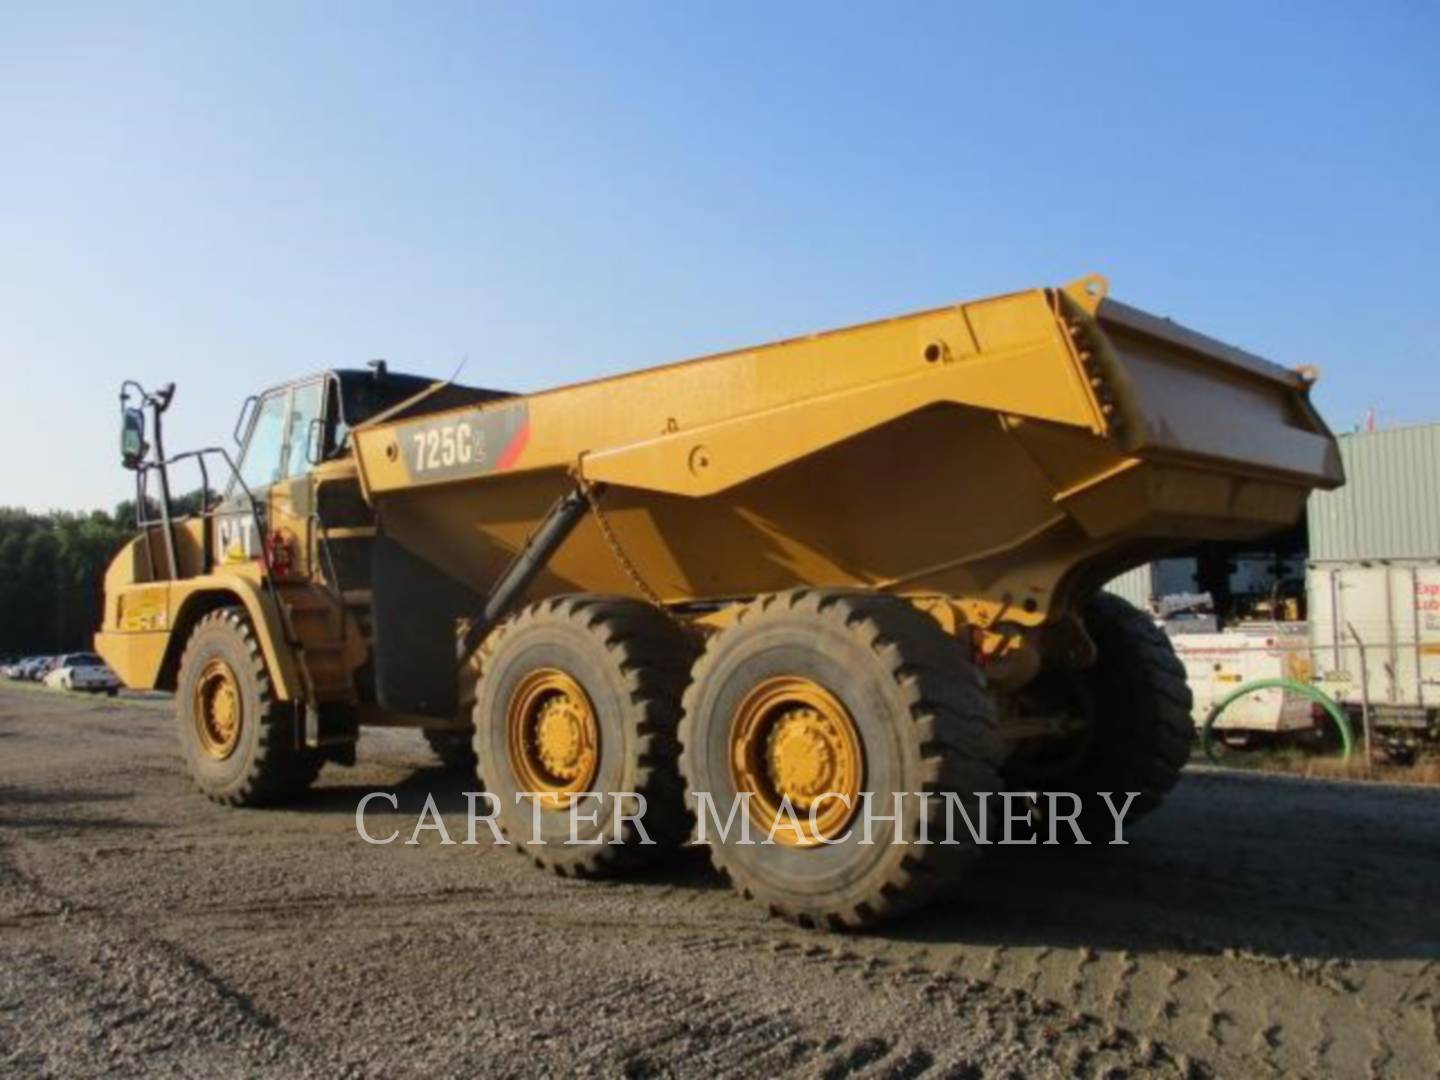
pixel 471 443
pixel 441 447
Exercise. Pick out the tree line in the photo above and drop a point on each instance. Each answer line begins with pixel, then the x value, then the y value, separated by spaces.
pixel 52 574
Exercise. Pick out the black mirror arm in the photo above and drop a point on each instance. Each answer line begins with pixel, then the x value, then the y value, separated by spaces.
pixel 158 403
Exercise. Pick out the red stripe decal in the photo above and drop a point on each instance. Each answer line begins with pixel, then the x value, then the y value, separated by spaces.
pixel 514 448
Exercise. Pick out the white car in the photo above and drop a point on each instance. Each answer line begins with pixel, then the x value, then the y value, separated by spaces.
pixel 83 671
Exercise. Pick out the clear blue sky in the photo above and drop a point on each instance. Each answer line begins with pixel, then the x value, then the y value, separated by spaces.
pixel 228 195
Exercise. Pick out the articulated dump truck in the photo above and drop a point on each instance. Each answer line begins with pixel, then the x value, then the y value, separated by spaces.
pixel 785 582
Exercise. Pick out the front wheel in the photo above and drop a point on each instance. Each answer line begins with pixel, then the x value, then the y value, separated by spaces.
pixel 239 741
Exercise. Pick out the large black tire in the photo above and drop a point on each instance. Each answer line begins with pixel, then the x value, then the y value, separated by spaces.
pixel 924 721
pixel 455 749
pixel 1141 726
pixel 266 764
pixel 631 662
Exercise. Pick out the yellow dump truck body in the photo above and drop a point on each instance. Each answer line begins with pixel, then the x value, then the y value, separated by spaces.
pixel 1012 453
pixel 769 578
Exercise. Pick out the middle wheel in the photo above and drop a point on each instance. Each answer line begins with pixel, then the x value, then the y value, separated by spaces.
pixel 579 695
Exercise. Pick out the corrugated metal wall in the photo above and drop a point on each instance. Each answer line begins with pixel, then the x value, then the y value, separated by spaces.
pixel 1134 585
pixel 1389 507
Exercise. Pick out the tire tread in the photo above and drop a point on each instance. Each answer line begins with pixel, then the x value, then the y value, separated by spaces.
pixel 937 691
pixel 278 770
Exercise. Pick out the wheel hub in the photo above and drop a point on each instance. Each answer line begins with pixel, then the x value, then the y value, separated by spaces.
pixel 802 755
pixel 217 709
pixel 560 737
pixel 791 739
pixel 552 736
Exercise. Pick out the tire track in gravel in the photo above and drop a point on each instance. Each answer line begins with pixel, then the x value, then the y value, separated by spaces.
pixel 94 973
pixel 1285 1016
pixel 1251 945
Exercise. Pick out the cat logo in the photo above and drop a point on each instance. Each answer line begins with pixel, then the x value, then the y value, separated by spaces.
pixel 232 539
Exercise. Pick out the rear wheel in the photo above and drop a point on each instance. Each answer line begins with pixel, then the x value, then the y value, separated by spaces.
pixel 581 694
pixel 239 741
pixel 806 703
pixel 1140 729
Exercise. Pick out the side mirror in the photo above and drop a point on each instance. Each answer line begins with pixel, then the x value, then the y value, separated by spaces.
pixel 132 438
pixel 315 442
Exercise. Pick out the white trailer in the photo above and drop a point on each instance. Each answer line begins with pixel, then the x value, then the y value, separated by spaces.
pixel 1375 637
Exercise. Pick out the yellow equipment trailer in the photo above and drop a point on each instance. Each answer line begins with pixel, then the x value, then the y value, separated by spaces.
pixel 865 561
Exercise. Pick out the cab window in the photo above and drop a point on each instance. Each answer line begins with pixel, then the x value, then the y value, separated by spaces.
pixel 263 463
pixel 307 405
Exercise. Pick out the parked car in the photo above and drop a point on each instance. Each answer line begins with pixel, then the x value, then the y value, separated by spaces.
pixel 82 671
pixel 35 668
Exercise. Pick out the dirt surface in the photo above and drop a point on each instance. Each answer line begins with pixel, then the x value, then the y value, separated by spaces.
pixel 1255 925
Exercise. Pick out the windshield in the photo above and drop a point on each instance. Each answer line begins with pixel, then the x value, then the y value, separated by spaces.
pixel 262 464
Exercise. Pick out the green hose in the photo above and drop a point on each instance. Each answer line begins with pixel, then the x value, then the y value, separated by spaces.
pixel 1342 722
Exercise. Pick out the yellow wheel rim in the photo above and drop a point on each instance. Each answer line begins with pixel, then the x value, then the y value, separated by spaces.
pixel 552 736
pixel 217 709
pixel 792 738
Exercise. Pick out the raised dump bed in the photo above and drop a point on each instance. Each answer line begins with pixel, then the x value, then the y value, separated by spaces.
pixel 1010 453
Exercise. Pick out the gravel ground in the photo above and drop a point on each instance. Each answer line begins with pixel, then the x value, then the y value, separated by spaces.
pixel 1256 925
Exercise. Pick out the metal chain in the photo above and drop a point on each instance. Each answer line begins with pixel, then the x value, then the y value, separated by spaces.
pixel 631 570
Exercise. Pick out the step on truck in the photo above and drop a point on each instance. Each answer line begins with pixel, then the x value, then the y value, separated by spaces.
pixel 862 561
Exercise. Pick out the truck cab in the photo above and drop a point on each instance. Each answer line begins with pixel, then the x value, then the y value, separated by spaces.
pixel 293 439
pixel 278 535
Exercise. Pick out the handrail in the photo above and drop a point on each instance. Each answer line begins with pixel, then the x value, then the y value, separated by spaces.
pixel 208 511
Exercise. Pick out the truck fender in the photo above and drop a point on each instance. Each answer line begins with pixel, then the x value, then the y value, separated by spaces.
pixel 204 597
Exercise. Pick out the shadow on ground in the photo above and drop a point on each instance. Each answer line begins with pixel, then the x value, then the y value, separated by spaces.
pixel 1230 863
